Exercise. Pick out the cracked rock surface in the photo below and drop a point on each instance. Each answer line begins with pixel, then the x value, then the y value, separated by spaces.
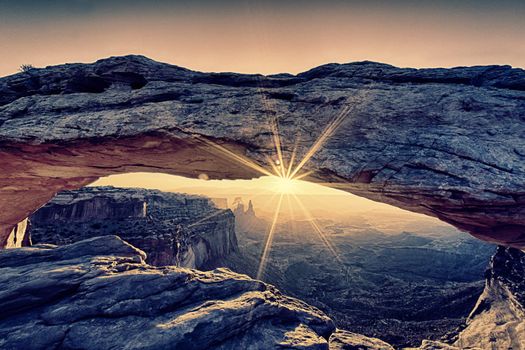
pixel 443 142
pixel 100 294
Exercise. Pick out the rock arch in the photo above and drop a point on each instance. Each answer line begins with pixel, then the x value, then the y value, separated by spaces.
pixel 443 142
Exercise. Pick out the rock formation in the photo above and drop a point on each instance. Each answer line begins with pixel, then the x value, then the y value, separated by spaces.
pixel 173 229
pixel 343 340
pixel 498 320
pixel 444 142
pixel 246 219
pixel 100 294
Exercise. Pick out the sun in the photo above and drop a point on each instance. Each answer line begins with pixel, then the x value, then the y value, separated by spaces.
pixel 283 185
pixel 284 174
pixel 286 185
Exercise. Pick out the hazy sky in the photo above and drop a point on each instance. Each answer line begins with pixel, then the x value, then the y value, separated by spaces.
pixel 265 191
pixel 263 36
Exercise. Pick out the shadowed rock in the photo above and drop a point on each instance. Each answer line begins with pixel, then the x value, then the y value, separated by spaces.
pixel 172 228
pixel 99 294
pixel 443 142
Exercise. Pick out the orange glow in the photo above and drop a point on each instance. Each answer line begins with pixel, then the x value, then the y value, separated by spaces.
pixel 265 41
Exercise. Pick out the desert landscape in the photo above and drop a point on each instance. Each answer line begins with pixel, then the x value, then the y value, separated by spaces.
pixel 311 175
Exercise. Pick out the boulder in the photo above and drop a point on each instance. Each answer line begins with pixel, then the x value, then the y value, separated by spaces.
pixel 100 294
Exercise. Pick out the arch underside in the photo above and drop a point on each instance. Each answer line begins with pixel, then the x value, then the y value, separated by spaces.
pixel 447 143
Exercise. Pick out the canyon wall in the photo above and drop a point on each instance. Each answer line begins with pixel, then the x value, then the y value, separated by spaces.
pixel 443 142
pixel 173 229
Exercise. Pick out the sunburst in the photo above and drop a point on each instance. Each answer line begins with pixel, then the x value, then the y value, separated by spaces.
pixel 286 176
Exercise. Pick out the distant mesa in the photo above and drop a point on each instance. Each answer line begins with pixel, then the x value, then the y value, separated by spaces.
pixel 246 220
pixel 173 229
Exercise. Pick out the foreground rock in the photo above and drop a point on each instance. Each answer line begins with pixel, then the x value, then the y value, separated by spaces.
pixel 444 142
pixel 173 229
pixel 99 294
pixel 498 320
pixel 343 340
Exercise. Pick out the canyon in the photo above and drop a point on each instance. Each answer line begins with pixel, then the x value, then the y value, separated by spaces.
pixel 443 142
pixel 401 288
pixel 392 275
pixel 173 229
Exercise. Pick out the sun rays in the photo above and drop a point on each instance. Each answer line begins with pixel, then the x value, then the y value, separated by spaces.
pixel 286 173
pixel 269 239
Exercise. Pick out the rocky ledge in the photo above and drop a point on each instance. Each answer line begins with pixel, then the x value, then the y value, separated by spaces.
pixel 100 294
pixel 443 142
pixel 498 320
pixel 172 228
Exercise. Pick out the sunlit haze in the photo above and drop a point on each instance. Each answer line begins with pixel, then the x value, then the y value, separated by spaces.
pixel 264 191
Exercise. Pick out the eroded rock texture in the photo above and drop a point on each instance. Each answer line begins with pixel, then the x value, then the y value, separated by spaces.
pixel 100 294
pixel 344 340
pixel 172 228
pixel 498 320
pixel 444 142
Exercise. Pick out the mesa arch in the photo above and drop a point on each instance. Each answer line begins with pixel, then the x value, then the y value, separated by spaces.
pixel 443 142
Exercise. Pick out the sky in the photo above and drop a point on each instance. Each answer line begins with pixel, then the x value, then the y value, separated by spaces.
pixel 263 36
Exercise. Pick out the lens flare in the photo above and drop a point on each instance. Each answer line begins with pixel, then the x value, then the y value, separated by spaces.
pixel 285 175
pixel 269 239
pixel 285 185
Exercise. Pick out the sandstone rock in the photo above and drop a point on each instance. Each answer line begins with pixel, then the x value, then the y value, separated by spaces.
pixel 247 220
pixel 444 142
pixel 344 340
pixel 172 228
pixel 100 294
pixel 437 345
pixel 498 320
